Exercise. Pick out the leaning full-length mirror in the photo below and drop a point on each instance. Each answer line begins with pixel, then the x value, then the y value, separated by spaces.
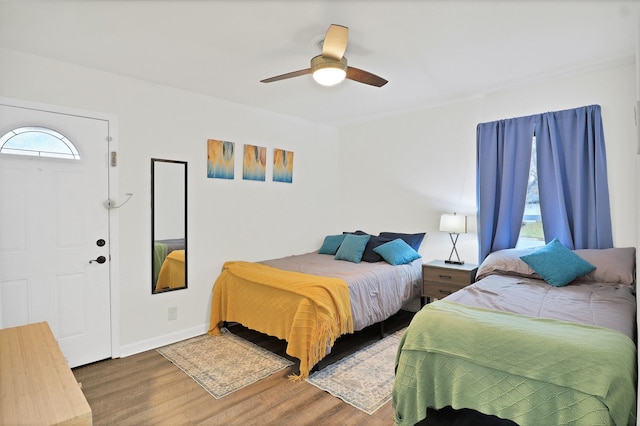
pixel 168 225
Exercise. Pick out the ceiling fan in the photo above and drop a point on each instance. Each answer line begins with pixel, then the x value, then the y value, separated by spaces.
pixel 330 67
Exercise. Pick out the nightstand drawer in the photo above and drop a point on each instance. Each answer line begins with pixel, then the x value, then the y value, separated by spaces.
pixel 440 290
pixel 440 279
pixel 446 276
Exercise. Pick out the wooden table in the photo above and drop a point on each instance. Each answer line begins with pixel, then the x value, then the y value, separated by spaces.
pixel 36 385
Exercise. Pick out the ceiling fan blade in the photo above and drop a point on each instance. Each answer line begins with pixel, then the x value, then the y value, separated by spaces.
pixel 365 77
pixel 287 75
pixel 335 42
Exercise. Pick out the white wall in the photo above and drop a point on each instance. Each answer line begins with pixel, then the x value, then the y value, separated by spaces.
pixel 402 172
pixel 390 174
pixel 228 219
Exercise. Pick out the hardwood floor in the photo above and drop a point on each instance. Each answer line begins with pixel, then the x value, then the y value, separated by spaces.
pixel 146 389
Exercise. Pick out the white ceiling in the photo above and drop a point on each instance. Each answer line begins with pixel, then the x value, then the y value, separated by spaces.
pixel 432 52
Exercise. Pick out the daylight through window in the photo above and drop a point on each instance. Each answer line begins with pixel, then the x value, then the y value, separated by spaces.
pixel 531 233
pixel 38 141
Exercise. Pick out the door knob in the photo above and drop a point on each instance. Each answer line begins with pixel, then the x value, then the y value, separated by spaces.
pixel 100 259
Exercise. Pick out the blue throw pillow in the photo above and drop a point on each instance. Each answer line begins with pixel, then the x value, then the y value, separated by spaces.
pixel 358 232
pixel 370 255
pixel 331 244
pixel 397 252
pixel 352 248
pixel 414 240
pixel 556 264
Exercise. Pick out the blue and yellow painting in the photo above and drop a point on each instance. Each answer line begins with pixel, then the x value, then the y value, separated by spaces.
pixel 255 163
pixel 220 159
pixel 282 165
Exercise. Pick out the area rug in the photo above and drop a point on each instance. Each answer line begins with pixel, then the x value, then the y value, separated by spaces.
pixel 363 379
pixel 223 364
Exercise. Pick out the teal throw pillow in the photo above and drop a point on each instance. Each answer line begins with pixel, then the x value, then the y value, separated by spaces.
pixel 397 252
pixel 556 264
pixel 331 244
pixel 352 248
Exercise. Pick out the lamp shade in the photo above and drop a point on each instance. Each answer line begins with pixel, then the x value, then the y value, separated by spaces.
pixel 453 224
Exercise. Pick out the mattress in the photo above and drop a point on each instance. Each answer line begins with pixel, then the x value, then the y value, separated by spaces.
pixel 603 305
pixel 377 290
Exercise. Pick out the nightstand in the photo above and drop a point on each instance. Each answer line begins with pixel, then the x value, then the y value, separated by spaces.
pixel 439 279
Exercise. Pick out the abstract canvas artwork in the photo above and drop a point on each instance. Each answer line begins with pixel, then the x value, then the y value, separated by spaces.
pixel 282 165
pixel 220 159
pixel 255 163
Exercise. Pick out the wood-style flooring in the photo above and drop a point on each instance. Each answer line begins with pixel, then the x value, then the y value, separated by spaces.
pixel 146 389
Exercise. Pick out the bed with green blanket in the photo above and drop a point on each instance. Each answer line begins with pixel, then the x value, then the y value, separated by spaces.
pixel 514 347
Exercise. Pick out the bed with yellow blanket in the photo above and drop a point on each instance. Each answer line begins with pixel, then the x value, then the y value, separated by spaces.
pixel 172 271
pixel 169 264
pixel 310 300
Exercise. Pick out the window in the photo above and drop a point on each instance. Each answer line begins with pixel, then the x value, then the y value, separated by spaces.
pixel 531 232
pixel 503 161
pixel 38 141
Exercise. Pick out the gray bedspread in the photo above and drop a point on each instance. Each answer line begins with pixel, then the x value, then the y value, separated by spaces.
pixel 599 304
pixel 377 290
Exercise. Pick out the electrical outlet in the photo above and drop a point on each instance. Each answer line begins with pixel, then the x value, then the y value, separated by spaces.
pixel 173 313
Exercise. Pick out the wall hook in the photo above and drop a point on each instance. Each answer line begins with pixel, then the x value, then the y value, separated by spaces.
pixel 110 204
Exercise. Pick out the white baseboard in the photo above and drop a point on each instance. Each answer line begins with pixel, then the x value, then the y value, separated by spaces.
pixel 160 341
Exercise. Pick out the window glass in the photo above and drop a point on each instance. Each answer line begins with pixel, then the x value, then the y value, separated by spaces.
pixel 38 141
pixel 531 233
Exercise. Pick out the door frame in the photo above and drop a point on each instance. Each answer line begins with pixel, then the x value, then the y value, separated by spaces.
pixel 113 216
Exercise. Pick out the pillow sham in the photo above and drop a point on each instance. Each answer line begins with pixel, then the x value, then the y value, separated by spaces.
pixel 330 244
pixel 556 264
pixel 369 254
pixel 613 265
pixel 414 240
pixel 397 252
pixel 507 262
pixel 352 248
pixel 358 232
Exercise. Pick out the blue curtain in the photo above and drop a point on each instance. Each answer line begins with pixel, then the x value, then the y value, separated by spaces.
pixel 572 179
pixel 503 155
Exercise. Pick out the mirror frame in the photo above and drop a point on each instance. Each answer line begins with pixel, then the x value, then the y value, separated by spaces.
pixel 154 162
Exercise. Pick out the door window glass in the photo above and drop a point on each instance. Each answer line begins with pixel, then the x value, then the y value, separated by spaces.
pixel 38 141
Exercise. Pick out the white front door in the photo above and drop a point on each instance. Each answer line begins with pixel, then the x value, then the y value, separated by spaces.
pixel 53 223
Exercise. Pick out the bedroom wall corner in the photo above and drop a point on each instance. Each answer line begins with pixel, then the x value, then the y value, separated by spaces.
pixel 637 191
pixel 228 219
pixel 403 171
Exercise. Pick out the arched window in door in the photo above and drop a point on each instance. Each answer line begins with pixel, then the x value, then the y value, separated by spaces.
pixel 39 142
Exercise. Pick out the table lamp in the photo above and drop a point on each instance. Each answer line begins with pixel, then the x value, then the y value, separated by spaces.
pixel 454 225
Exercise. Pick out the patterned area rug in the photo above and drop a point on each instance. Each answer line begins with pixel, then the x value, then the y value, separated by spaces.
pixel 223 364
pixel 363 379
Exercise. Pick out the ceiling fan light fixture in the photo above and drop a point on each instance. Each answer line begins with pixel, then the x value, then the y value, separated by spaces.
pixel 328 71
pixel 329 76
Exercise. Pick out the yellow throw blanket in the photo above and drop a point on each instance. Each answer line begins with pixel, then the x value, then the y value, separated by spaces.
pixel 172 272
pixel 308 311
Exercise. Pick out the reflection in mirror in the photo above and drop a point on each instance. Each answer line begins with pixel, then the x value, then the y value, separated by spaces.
pixel 168 225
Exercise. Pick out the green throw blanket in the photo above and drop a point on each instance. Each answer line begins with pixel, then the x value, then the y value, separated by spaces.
pixel 160 251
pixel 533 371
